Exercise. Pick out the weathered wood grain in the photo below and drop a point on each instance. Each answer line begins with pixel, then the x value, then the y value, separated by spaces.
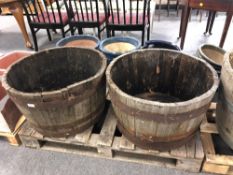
pixel 60 91
pixel 224 112
pixel 158 100
pixel 114 146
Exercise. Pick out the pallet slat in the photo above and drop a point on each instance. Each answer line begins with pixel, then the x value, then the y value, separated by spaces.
pixel 207 143
pixel 108 130
pixel 108 145
pixel 220 159
pixel 179 152
pixel 207 127
pixel 214 162
pixel 190 149
pixel 199 153
pixel 220 169
pixel 84 136
pixel 126 144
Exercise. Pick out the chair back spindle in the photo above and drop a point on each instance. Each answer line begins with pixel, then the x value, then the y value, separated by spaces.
pixel 85 14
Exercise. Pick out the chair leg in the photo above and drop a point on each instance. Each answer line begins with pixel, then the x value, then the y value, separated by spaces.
pixel 108 33
pixel 200 16
pixel 212 22
pixel 148 32
pixel 72 30
pixel 63 33
pixel 54 30
pixel 177 7
pixel 160 1
pixel 34 39
pixel 168 7
pixel 99 32
pixel 143 35
pixel 208 22
pixel 80 31
pixel 49 35
pixel 113 33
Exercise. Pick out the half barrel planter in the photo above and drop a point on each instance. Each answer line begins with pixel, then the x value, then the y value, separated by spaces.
pixel 224 111
pixel 160 96
pixel 60 91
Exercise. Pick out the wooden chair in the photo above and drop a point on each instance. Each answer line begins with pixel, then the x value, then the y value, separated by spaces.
pixel 128 15
pixel 85 14
pixel 44 14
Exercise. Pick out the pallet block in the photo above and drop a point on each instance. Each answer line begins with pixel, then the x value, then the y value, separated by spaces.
pixel 109 143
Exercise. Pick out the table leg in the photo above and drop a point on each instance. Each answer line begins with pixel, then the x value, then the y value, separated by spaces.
pixel 225 30
pixel 208 22
pixel 17 11
pixel 212 22
pixel 160 1
pixel 187 11
pixel 181 21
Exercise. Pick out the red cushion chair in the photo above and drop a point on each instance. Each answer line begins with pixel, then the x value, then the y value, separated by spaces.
pixel 128 15
pixel 85 14
pixel 49 18
pixel 45 14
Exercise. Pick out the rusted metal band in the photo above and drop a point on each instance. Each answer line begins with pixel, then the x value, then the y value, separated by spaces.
pixel 160 139
pixel 74 99
pixel 51 129
pixel 168 118
pixel 157 145
pixel 73 132
pixel 68 101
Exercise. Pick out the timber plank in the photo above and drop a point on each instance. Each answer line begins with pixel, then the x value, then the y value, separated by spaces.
pixel 107 144
pixel 108 129
pixel 214 162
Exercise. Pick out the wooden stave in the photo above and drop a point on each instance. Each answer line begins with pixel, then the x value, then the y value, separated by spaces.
pixel 125 121
pixel 96 82
pixel 224 110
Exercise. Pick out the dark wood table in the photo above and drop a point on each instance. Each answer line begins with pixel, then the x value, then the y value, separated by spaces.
pixel 17 11
pixel 211 5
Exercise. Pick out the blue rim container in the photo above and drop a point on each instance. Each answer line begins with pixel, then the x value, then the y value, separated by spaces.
pixel 160 44
pixel 66 40
pixel 112 55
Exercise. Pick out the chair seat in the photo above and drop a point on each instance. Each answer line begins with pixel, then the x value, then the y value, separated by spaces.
pixel 128 19
pixel 49 18
pixel 78 18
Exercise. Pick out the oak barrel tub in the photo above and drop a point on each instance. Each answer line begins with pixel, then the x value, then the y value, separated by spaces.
pixel 224 113
pixel 60 91
pixel 160 96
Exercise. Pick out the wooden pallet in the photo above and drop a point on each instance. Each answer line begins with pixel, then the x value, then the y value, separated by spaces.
pixel 13 137
pixel 109 143
pixel 218 156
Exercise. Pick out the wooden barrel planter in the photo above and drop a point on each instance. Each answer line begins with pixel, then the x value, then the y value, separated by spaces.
pixel 160 96
pixel 60 91
pixel 213 55
pixel 224 113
